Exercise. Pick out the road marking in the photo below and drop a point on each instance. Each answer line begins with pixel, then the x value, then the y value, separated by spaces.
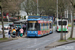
pixel 66 34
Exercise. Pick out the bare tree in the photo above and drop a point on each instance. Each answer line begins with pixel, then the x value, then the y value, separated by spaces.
pixel 49 7
pixel 9 6
pixel 29 6
pixel 73 5
pixel 2 18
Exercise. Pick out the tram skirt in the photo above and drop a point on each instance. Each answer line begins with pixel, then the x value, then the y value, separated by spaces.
pixel 21 34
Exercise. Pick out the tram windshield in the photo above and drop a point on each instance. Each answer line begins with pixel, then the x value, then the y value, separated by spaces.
pixel 33 26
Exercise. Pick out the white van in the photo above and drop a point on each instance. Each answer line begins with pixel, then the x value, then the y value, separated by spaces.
pixel 64 22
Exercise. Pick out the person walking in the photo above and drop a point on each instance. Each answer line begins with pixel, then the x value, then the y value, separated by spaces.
pixel 9 33
pixel 24 28
pixel 21 32
pixel 18 30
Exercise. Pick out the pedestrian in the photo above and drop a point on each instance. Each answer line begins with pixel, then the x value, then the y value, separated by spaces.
pixel 14 30
pixel 9 32
pixel 16 27
pixel 24 28
pixel 18 30
pixel 21 32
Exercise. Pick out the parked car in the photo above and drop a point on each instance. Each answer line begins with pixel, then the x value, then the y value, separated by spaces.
pixel 6 28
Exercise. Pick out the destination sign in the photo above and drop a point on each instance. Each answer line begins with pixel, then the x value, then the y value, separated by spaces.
pixel 32 21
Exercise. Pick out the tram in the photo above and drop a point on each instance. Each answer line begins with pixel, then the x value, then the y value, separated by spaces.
pixel 38 26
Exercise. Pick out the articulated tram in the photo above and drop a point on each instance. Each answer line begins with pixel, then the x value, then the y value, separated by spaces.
pixel 38 26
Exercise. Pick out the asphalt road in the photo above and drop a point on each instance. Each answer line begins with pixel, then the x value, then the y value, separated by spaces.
pixel 70 46
pixel 30 43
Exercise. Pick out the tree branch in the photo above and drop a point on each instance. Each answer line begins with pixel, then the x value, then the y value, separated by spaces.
pixel 71 2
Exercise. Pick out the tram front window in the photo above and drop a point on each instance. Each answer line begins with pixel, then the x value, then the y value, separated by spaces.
pixel 33 26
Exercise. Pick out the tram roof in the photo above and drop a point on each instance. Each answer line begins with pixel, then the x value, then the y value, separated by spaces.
pixel 38 18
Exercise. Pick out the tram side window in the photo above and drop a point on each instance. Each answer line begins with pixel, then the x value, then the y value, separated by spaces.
pixel 45 25
pixel 41 26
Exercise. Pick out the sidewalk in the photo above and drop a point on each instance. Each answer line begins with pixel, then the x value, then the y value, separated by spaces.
pixel 6 35
pixel 9 39
pixel 55 44
pixel 21 37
